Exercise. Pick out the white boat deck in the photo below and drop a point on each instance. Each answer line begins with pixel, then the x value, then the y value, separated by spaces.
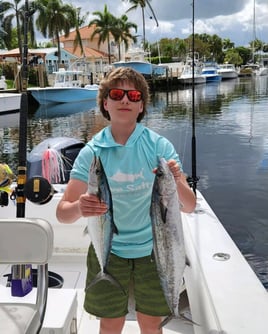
pixel 73 270
pixel 224 293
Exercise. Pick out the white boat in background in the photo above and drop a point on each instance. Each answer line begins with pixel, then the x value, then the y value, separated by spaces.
pixel 136 60
pixel 222 295
pixel 67 88
pixel 252 69
pixel 9 102
pixel 187 74
pixel 144 67
pixel 210 72
pixel 257 63
pixel 227 71
pixel 260 69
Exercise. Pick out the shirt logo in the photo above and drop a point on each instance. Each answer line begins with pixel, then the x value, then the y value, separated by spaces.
pixel 123 177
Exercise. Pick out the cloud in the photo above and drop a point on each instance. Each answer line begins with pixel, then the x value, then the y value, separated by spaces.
pixel 231 19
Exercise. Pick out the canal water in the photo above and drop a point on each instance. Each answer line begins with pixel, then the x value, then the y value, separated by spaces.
pixel 231 120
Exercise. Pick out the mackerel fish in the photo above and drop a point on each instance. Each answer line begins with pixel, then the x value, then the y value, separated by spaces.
pixel 101 228
pixel 168 242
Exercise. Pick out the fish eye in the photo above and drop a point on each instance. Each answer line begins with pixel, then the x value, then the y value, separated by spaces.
pixel 159 172
pixel 98 171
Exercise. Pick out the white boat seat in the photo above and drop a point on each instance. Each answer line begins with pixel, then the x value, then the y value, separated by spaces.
pixel 25 241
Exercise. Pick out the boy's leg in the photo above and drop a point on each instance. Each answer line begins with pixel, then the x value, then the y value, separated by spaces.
pixel 111 325
pixel 149 324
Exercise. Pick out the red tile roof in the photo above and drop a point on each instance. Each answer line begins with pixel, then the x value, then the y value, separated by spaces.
pixel 89 52
pixel 85 33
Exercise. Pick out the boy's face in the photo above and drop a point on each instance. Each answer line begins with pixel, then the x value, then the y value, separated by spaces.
pixel 123 110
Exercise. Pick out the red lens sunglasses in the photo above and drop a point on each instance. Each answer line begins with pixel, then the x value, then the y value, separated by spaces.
pixel 117 94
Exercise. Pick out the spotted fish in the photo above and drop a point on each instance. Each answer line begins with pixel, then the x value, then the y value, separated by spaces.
pixel 168 247
pixel 101 229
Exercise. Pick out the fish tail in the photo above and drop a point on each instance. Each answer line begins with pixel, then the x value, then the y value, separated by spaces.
pixel 105 276
pixel 187 320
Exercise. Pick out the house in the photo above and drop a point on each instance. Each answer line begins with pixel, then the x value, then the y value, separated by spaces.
pixel 93 60
pixel 47 56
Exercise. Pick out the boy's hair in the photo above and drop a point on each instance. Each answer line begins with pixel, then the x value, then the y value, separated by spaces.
pixel 118 75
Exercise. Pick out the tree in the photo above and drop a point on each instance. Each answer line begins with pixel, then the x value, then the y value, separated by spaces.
pixel 213 47
pixel 245 53
pixel 216 48
pixel 3 33
pixel 232 57
pixel 105 27
pixel 142 4
pixel 11 11
pixel 255 45
pixel 201 46
pixel 227 44
pixel 79 21
pixel 265 47
pixel 122 33
pixel 54 17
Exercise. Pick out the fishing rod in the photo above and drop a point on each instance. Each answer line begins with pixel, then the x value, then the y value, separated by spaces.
pixel 193 179
pixel 21 273
pixel 21 179
pixel 21 277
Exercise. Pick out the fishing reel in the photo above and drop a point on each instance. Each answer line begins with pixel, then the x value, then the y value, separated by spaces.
pixel 38 190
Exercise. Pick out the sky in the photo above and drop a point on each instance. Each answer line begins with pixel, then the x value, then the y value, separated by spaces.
pixel 231 19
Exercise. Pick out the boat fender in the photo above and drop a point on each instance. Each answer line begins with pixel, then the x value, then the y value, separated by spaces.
pixel 38 190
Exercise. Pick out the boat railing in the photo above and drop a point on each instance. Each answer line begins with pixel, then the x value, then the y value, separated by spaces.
pixel 72 83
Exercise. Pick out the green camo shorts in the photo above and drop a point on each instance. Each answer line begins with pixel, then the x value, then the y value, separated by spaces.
pixel 106 300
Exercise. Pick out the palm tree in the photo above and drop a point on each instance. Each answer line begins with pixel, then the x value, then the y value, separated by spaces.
pixel 123 33
pixel 54 19
pixel 3 33
pixel 11 11
pixel 227 44
pixel 142 4
pixel 105 27
pixel 79 21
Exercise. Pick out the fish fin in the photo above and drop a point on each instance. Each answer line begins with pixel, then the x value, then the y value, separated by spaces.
pixel 152 256
pixel 85 232
pixel 166 320
pixel 114 228
pixel 105 276
pixel 187 262
pixel 163 211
